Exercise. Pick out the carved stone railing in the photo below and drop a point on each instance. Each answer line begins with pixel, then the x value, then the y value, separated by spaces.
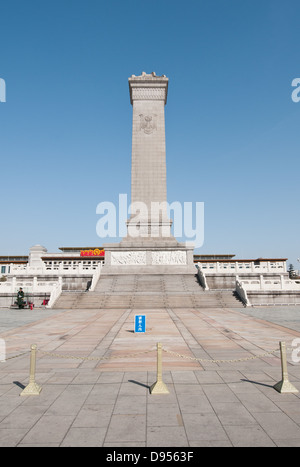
pixel 266 284
pixel 239 267
pixel 242 293
pixel 55 293
pixel 202 278
pixel 31 285
pixel 59 269
pixel 96 277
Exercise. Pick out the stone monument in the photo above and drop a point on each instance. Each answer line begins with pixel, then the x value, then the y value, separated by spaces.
pixel 149 245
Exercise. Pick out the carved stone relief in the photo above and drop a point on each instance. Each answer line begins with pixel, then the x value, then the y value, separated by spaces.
pixel 169 257
pixel 148 123
pixel 148 94
pixel 128 258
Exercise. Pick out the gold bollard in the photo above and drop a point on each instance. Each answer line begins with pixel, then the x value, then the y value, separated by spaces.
pixel 159 387
pixel 32 389
pixel 284 386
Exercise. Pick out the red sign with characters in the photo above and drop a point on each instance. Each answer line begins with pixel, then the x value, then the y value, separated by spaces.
pixel 96 252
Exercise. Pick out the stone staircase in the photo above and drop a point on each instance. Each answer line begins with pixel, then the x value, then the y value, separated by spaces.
pixel 147 291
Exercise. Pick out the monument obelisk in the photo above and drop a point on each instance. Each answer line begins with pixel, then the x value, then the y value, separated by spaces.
pixel 149 244
pixel 148 96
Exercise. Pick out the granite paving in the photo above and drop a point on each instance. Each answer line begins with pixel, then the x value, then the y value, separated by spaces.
pixel 219 365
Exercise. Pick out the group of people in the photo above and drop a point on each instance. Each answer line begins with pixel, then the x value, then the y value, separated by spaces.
pixel 20 302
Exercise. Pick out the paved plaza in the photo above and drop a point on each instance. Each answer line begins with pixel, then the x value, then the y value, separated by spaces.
pixel 102 398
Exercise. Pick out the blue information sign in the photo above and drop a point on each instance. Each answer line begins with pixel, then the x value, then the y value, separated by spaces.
pixel 140 323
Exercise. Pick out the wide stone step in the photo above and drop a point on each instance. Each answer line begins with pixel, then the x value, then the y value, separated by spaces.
pixel 148 291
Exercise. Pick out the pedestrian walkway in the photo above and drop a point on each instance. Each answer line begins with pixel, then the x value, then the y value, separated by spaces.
pixel 219 365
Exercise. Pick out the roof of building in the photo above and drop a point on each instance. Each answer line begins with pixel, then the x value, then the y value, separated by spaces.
pixel 258 260
pixel 77 248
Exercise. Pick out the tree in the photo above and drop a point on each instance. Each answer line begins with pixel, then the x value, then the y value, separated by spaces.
pixel 291 271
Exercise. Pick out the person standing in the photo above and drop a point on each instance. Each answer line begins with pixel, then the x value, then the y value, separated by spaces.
pixel 20 298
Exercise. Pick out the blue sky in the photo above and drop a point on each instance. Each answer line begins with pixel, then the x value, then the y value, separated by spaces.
pixel 232 129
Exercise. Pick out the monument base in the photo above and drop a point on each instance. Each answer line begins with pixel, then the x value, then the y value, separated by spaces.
pixel 149 258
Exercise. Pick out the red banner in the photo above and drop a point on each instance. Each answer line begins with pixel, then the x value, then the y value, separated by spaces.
pixel 95 252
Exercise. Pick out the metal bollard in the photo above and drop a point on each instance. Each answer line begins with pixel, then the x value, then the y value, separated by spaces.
pixel 284 386
pixel 32 389
pixel 159 387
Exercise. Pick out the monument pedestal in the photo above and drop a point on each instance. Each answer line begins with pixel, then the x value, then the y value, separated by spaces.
pixel 149 258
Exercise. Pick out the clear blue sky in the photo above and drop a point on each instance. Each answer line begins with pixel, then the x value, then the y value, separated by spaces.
pixel 232 129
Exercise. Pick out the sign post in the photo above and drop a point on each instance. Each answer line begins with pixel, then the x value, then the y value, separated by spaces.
pixel 140 323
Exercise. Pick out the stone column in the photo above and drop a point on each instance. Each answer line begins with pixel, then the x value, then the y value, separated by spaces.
pixel 148 96
pixel 35 257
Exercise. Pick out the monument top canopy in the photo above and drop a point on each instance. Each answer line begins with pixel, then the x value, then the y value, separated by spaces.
pixel 148 87
pixel 144 75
